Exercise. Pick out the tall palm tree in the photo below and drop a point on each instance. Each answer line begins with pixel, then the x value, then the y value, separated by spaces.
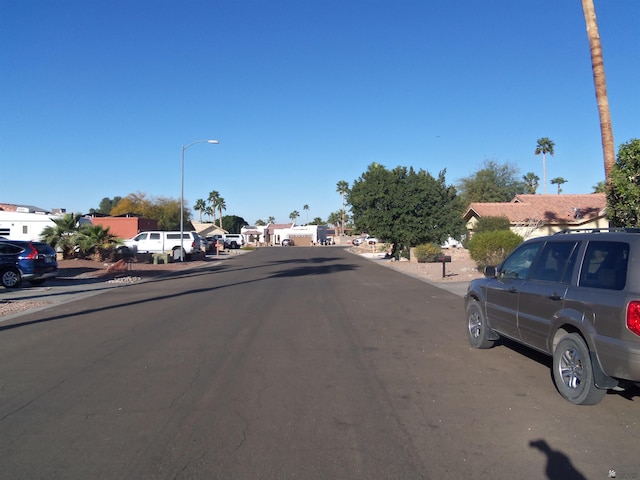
pixel 293 215
pixel 544 146
pixel 221 205
pixel 342 187
pixel 200 206
pixel 271 220
pixel 558 181
pixel 597 65
pixel 306 209
pixel 213 197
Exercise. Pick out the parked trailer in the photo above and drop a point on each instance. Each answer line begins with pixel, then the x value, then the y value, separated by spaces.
pixel 25 226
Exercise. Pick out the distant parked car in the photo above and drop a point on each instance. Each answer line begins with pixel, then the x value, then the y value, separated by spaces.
pixel 371 240
pixel 287 242
pixel 205 244
pixel 31 261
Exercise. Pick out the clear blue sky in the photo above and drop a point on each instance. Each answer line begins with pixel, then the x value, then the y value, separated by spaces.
pixel 99 96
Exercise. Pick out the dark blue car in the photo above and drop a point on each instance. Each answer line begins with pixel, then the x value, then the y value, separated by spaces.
pixel 30 261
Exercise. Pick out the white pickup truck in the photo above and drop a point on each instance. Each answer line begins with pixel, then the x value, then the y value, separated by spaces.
pixel 162 242
pixel 233 240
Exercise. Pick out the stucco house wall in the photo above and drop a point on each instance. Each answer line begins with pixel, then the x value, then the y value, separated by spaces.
pixel 539 215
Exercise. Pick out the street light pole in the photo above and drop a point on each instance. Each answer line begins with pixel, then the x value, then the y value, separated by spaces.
pixel 215 142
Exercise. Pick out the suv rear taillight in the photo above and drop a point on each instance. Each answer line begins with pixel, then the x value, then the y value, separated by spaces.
pixel 633 317
pixel 33 254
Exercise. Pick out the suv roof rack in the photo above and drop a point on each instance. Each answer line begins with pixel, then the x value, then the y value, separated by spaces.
pixel 598 230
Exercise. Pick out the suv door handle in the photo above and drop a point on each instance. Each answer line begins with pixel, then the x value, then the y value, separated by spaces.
pixel 555 296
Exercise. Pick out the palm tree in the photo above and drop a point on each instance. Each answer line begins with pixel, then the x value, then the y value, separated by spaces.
pixel 271 220
pixel 200 206
pixel 293 215
pixel 335 219
pixel 209 210
pixel 97 241
pixel 531 181
pixel 213 201
pixel 544 146
pixel 306 209
pixel 597 65
pixel 221 205
pixel 558 181
pixel 342 187
pixel 600 187
pixel 61 235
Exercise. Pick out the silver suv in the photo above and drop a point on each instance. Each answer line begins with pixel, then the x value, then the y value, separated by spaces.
pixel 575 296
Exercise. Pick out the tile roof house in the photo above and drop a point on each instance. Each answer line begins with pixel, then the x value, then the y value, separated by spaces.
pixel 538 215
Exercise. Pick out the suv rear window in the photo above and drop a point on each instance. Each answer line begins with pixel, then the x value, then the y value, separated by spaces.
pixel 605 265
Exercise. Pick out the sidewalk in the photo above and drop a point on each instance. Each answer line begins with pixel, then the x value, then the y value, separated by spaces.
pixel 457 274
pixel 76 283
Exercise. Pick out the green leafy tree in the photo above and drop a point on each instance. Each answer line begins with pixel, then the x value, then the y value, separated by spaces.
pixel 233 223
pixel 200 206
pixel 260 223
pixel 531 181
pixel 558 181
pixel 135 203
pixel 167 212
pixel 106 205
pixel 405 208
pixel 61 236
pixel 317 221
pixel 543 147
pixel 342 187
pixel 493 183
pixel 623 194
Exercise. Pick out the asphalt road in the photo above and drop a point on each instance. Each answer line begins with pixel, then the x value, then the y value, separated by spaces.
pixel 307 363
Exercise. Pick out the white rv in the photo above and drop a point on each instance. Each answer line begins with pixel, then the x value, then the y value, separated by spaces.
pixel 24 225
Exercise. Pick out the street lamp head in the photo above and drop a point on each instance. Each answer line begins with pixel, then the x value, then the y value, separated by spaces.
pixel 213 141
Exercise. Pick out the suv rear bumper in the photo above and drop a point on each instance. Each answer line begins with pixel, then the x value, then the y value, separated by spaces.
pixel 40 276
pixel 619 358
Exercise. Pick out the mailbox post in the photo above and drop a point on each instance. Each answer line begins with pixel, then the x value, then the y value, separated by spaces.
pixel 444 259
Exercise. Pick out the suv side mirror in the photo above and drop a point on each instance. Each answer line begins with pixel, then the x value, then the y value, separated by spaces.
pixel 490 271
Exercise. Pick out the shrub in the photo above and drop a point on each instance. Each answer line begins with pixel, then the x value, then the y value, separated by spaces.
pixel 426 252
pixel 490 248
pixel 491 224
